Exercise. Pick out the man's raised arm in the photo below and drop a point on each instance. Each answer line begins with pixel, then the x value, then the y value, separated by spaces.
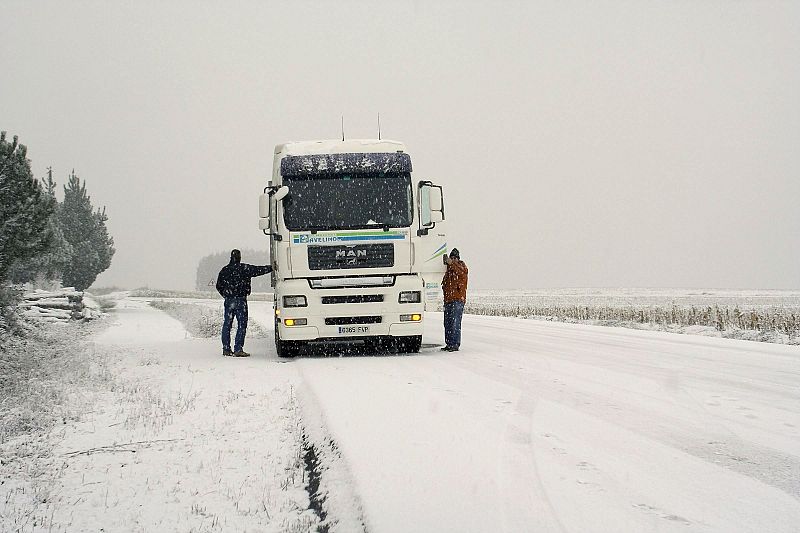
pixel 256 270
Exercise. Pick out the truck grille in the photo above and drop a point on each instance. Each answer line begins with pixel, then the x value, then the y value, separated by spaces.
pixel 356 256
pixel 345 320
pixel 353 299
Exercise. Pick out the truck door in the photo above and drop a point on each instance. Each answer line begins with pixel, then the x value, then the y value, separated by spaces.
pixel 430 242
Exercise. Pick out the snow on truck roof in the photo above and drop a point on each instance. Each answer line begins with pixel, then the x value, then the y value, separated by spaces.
pixel 354 146
pixel 345 163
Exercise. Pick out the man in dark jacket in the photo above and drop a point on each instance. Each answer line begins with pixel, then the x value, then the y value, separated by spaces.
pixel 454 285
pixel 233 283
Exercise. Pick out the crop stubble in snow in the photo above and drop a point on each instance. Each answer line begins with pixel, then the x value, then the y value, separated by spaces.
pixel 766 315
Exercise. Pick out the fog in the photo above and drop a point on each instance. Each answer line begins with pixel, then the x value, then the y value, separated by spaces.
pixel 639 144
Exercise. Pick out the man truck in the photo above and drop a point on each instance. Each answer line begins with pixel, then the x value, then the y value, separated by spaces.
pixel 356 245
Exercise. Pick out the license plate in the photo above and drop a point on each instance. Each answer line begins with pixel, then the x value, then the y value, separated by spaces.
pixel 353 330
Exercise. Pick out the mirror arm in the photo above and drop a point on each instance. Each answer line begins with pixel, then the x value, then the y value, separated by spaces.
pixel 278 237
pixel 441 196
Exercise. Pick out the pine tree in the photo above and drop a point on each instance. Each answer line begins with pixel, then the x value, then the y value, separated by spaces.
pixel 25 208
pixel 85 230
pixel 50 264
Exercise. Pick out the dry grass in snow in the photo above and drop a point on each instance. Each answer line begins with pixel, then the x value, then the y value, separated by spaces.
pixel 46 378
pixel 156 438
pixel 48 381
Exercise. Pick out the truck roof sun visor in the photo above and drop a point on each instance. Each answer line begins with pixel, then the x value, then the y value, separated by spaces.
pixel 369 163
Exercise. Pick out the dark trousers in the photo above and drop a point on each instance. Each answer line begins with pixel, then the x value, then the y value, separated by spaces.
pixel 234 307
pixel 453 311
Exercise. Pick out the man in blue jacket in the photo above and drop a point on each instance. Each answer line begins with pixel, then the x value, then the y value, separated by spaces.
pixel 233 283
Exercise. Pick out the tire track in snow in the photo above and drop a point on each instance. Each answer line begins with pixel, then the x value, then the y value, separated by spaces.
pixel 697 432
pixel 334 491
pixel 519 461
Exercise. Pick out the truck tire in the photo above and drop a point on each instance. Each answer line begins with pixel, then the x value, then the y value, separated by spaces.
pixel 410 344
pixel 280 349
pixel 283 348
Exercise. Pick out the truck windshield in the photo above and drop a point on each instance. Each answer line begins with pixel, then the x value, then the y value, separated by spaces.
pixel 337 201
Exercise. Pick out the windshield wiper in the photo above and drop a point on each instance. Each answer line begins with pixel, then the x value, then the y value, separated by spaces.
pixel 377 225
pixel 314 229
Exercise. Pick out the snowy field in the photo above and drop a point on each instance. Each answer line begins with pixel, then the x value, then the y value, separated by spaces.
pixel 759 315
pixel 625 297
pixel 532 426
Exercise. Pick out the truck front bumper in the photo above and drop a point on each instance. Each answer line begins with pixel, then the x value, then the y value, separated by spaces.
pixel 353 315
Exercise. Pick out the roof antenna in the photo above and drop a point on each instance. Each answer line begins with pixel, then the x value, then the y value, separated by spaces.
pixel 379 125
pixel 342 127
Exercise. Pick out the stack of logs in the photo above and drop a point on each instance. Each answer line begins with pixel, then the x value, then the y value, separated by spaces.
pixel 60 305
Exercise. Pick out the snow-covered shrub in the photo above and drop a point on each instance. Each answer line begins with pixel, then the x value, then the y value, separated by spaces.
pixel 105 303
pixel 10 297
pixel 103 291
pixel 145 292
pixel 200 320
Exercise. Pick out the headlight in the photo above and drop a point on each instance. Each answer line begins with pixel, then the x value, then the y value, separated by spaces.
pixel 295 322
pixel 411 318
pixel 410 297
pixel 294 301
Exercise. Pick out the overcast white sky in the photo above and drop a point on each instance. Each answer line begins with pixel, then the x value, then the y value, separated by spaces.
pixel 579 143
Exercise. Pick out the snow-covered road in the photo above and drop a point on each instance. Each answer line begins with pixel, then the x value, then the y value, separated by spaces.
pixel 539 426
pixel 532 426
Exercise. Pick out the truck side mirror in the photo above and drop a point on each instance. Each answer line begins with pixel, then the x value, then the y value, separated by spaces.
pixel 265 211
pixel 431 206
pixel 263 206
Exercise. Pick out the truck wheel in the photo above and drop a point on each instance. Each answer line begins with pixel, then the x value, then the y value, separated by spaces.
pixel 284 348
pixel 410 344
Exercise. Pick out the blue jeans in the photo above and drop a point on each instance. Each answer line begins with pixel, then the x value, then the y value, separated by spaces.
pixel 453 311
pixel 234 307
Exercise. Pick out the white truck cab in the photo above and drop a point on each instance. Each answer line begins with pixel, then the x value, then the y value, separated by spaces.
pixel 356 244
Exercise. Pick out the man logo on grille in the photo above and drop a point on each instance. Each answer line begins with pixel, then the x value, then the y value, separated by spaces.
pixel 351 255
